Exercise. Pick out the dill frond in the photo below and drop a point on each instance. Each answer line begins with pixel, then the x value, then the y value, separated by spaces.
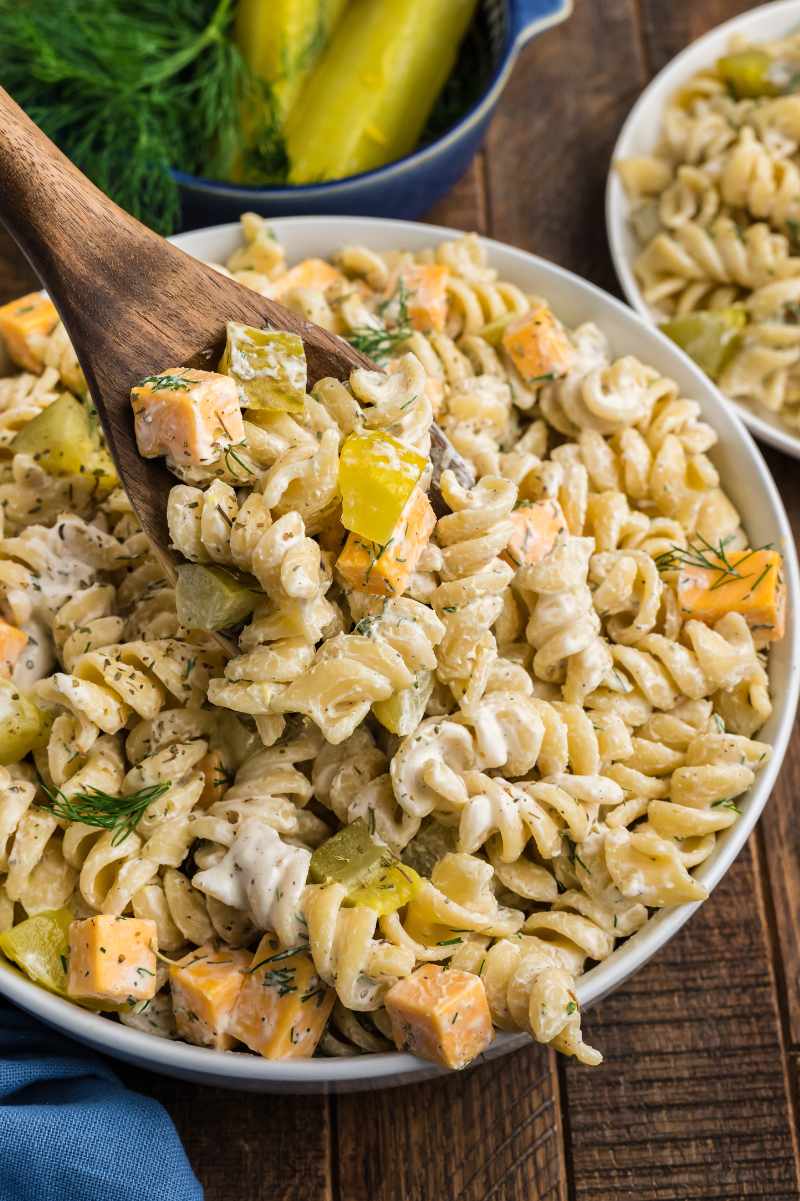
pixel 121 814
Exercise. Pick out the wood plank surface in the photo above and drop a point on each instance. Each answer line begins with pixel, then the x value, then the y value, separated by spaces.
pixel 697 1096
pixel 493 1133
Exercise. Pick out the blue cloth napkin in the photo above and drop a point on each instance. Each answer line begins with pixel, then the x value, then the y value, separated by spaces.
pixel 70 1131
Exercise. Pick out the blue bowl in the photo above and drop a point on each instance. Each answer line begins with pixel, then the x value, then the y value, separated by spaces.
pixel 409 186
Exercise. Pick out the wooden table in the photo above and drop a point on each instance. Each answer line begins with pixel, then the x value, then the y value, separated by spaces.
pixel 698 1094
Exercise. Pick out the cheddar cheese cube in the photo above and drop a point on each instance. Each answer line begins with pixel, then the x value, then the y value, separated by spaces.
pixel 205 986
pixel 536 528
pixel 12 644
pixel 31 314
pixel 425 288
pixel 749 582
pixel 538 345
pixel 283 1005
pixel 386 570
pixel 112 959
pixel 314 274
pixel 188 415
pixel 441 1015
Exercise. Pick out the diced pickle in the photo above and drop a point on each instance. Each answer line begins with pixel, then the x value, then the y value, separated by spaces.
pixel 748 74
pixel 493 332
pixel 402 712
pixel 24 727
pixel 377 475
pixel 210 598
pixel 60 438
pixel 39 945
pixel 269 367
pixel 432 842
pixel 351 857
pixel 711 337
pixel 389 891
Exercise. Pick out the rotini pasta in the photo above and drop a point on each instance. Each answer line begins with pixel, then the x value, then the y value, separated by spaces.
pixel 490 731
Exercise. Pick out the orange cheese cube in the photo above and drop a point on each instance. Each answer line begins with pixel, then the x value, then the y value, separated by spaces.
pixel 112 959
pixel 536 527
pixel 283 1006
pixel 205 985
pixel 216 778
pixel 440 1015
pixel 188 415
pixel 12 644
pixel 31 314
pixel 749 582
pixel 387 570
pixel 426 295
pixel 310 273
pixel 538 345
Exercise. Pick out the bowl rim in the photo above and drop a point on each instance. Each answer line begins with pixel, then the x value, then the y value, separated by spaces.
pixel 236 1069
pixel 617 205
pixel 514 41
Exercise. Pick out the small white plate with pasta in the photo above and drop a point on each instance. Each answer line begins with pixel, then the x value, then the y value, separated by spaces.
pixel 702 211
pixel 640 746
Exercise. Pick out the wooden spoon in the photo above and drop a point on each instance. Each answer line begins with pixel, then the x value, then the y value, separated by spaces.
pixel 133 304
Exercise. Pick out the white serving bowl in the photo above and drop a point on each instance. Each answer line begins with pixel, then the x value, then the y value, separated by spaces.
pixel 640 134
pixel 750 485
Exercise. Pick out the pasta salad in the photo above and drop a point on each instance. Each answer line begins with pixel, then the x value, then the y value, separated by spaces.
pixel 716 209
pixel 466 730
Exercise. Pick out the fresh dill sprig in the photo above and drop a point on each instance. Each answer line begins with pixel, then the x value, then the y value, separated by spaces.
pixel 709 557
pixel 381 342
pixel 130 91
pixel 166 383
pixel 94 807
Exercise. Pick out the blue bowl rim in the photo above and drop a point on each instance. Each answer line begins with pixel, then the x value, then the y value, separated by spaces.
pixel 438 146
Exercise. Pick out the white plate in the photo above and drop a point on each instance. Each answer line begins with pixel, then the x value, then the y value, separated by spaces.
pixel 639 136
pixel 751 487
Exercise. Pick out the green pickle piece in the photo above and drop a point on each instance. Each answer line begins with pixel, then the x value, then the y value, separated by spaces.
pixel 40 946
pixel 430 844
pixel 269 367
pixel 402 712
pixel 62 440
pixel 748 74
pixel 24 727
pixel 377 475
pixel 351 857
pixel 389 891
pixel 493 332
pixel 210 598
pixel 711 337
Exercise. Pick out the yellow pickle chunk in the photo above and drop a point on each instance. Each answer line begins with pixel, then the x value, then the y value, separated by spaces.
pixel 377 475
pixel 268 366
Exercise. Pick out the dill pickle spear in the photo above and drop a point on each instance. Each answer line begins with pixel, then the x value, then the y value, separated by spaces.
pixel 352 857
pixel 372 91
pixel 402 712
pixel 711 337
pixel 60 438
pixel 389 891
pixel 24 727
pixel 748 74
pixel 377 475
pixel 210 598
pixel 39 946
pixel 269 366
pixel 282 41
